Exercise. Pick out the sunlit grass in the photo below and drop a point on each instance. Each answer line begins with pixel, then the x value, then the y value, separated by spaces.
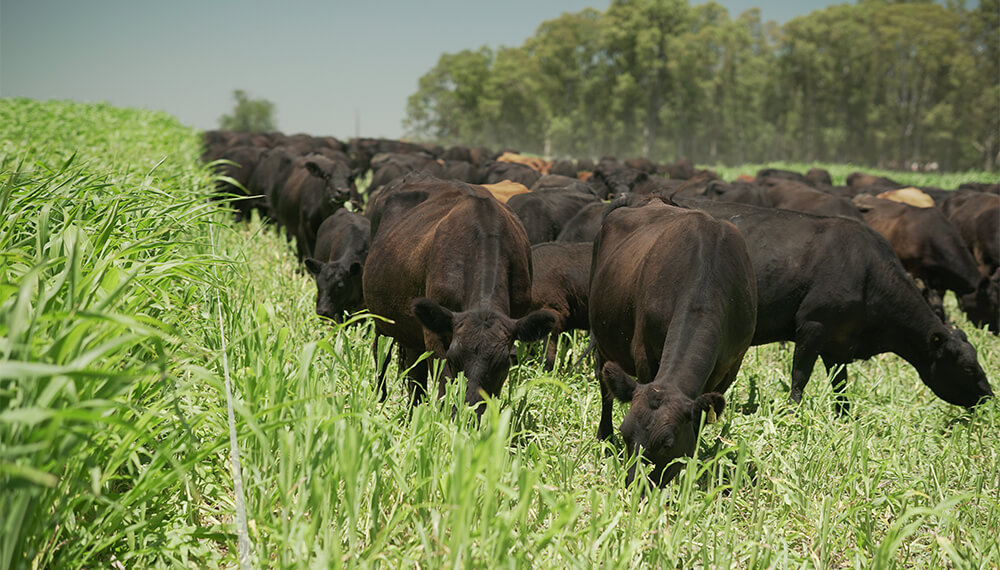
pixel 114 444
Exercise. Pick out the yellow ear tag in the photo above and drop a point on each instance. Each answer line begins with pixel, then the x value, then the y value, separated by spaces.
pixel 711 417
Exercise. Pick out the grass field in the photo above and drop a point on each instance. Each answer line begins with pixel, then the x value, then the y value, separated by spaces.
pixel 120 284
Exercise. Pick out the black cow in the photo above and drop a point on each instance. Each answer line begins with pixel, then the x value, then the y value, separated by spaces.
pixel 583 226
pixel 977 217
pixel 388 166
pixel 613 179
pixel 779 174
pixel 316 187
pixel 674 303
pixel 451 268
pixel 801 197
pixel 268 178
pixel 819 177
pixel 561 284
pixel 238 169
pixel 928 245
pixel 338 262
pixel 553 181
pixel 545 212
pixel 835 287
pixel 563 167
pixel 499 171
pixel 461 170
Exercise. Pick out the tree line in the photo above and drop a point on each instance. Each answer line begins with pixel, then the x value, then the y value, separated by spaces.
pixel 874 83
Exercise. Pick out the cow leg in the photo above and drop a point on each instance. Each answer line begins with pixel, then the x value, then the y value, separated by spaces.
pixel 838 378
pixel 381 370
pixel 551 349
pixel 604 428
pixel 417 375
pixel 807 341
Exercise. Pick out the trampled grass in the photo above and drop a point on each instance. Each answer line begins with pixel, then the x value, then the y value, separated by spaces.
pixel 114 448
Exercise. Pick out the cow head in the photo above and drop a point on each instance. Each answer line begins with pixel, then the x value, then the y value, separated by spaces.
pixel 338 179
pixel 338 286
pixel 661 424
pixel 982 306
pixel 954 374
pixel 480 342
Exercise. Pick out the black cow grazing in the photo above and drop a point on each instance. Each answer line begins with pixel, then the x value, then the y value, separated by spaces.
pixel 985 187
pixel 585 165
pixel 316 187
pixel 563 167
pixel 268 178
pixel 583 226
pixel 801 197
pixel 499 171
pixel 681 169
pixel 860 180
pixel 779 174
pixel 675 303
pixel 835 287
pixel 612 179
pixel 241 162
pixel 819 177
pixel 461 170
pixel 642 163
pixel 388 166
pixel 561 284
pixel 742 192
pixel 977 217
pixel 457 153
pixel 545 212
pixel 553 181
pixel 338 262
pixel 451 268
pixel 928 245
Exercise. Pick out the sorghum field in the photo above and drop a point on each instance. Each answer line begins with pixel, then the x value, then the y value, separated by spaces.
pixel 128 297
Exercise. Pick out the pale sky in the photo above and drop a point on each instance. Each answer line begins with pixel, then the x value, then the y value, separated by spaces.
pixel 320 63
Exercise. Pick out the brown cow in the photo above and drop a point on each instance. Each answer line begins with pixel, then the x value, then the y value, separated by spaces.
pixel 675 302
pixel 800 197
pixel 561 284
pixel 977 217
pixel 929 246
pixel 450 267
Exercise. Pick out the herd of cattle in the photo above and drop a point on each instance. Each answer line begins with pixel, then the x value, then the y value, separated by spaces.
pixel 674 272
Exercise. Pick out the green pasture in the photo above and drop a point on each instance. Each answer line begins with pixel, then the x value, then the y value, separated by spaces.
pixel 127 298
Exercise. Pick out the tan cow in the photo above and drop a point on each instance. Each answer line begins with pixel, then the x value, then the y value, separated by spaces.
pixel 532 162
pixel 503 190
pixel 910 195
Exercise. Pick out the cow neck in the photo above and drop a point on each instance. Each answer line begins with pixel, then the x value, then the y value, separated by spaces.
pixel 486 288
pixel 908 325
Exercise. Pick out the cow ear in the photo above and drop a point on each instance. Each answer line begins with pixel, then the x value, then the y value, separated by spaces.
pixel 314 266
pixel 937 341
pixel 711 404
pixel 535 325
pixel 620 384
pixel 315 170
pixel 432 316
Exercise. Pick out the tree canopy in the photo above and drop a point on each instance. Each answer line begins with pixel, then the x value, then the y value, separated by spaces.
pixel 249 114
pixel 879 82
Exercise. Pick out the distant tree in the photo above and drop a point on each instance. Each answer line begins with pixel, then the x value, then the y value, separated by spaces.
pixel 249 114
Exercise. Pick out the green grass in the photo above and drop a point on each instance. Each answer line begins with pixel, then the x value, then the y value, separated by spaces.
pixel 114 446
